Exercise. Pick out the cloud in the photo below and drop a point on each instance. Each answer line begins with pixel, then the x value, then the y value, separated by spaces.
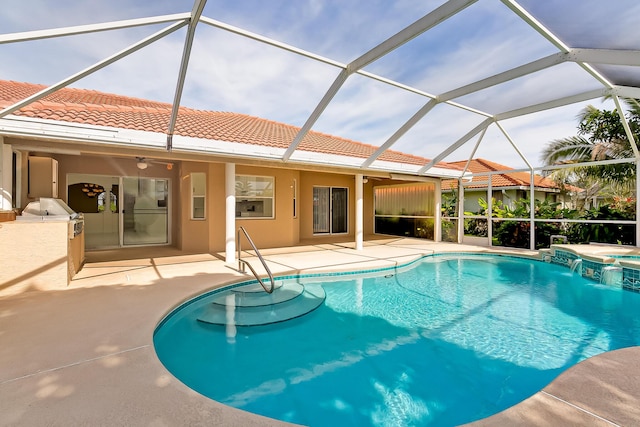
pixel 231 73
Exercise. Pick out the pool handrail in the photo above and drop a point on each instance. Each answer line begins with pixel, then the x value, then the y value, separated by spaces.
pixel 242 263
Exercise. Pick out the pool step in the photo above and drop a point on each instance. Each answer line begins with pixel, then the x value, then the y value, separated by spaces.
pixel 247 307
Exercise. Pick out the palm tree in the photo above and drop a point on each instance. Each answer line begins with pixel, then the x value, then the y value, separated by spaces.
pixel 601 136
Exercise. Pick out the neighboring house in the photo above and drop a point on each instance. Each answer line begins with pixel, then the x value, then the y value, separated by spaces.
pixel 109 156
pixel 506 187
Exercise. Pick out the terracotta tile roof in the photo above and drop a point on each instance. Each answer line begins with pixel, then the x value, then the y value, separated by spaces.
pixel 103 109
pixel 510 179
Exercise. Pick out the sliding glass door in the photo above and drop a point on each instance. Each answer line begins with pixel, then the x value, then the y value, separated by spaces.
pixel 330 206
pixel 145 213
pixel 120 211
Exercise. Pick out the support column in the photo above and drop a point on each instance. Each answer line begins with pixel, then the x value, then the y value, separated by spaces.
pixel 230 212
pixel 6 156
pixel 460 211
pixel 532 212
pixel 359 213
pixel 637 202
pixel 437 223
pixel 490 210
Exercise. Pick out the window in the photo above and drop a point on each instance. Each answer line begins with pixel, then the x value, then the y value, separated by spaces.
pixel 329 210
pixel 113 200
pixel 86 197
pixel 254 196
pixel 198 195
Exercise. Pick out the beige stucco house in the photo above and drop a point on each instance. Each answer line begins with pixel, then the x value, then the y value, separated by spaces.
pixel 109 157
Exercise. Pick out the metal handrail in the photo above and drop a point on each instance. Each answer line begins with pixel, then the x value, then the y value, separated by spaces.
pixel 242 263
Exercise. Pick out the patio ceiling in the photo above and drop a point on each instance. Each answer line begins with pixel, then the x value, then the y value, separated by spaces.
pixel 465 74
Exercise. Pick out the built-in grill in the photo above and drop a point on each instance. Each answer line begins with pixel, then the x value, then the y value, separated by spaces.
pixel 50 209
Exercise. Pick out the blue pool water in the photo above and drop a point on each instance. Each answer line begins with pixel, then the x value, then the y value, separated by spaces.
pixel 448 341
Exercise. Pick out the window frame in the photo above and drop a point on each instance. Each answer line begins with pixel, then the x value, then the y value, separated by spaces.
pixel 199 194
pixel 253 198
pixel 331 209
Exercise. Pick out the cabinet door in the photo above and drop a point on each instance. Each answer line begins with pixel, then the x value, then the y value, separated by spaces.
pixel 43 177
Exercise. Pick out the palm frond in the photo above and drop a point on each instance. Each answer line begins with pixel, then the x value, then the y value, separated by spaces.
pixel 567 150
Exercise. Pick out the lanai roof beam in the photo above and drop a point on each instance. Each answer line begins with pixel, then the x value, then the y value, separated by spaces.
pixel 398 134
pixel 196 12
pixel 91 28
pixel 428 21
pixel 99 65
pixel 453 147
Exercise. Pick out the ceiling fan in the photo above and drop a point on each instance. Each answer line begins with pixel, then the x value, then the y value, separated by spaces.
pixel 144 163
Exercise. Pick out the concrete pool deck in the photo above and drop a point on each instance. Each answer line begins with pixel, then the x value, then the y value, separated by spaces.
pixel 84 355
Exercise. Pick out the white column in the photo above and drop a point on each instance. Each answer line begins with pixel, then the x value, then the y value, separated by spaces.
pixel 437 223
pixel 359 213
pixel 532 212
pixel 230 212
pixel 638 202
pixel 490 210
pixel 460 211
pixel 5 176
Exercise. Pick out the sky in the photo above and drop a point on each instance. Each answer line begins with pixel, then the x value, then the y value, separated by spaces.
pixel 228 72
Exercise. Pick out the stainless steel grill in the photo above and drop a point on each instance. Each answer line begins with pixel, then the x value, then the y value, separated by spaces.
pixel 50 209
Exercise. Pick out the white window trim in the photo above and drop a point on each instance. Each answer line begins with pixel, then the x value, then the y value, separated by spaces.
pixel 203 196
pixel 331 233
pixel 272 198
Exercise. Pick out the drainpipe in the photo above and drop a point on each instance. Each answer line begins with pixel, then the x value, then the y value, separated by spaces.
pixel 359 212
pixel 230 212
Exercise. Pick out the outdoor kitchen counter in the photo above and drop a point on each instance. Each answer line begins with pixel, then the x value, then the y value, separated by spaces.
pixel 39 254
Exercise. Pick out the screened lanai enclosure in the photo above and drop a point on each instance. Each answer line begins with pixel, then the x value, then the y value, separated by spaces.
pixel 441 80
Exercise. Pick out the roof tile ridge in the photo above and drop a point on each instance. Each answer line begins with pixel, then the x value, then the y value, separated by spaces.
pixel 111 95
pixel 491 165
pixel 451 165
pixel 45 102
pixel 511 176
pixel 459 163
pixel 24 84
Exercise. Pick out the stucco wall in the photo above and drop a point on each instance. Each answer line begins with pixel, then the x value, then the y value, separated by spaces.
pixel 35 255
pixel 193 234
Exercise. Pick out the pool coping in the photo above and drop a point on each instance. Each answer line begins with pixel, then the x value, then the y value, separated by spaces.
pixel 84 355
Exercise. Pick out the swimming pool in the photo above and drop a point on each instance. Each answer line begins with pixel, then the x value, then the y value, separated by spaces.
pixel 445 341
